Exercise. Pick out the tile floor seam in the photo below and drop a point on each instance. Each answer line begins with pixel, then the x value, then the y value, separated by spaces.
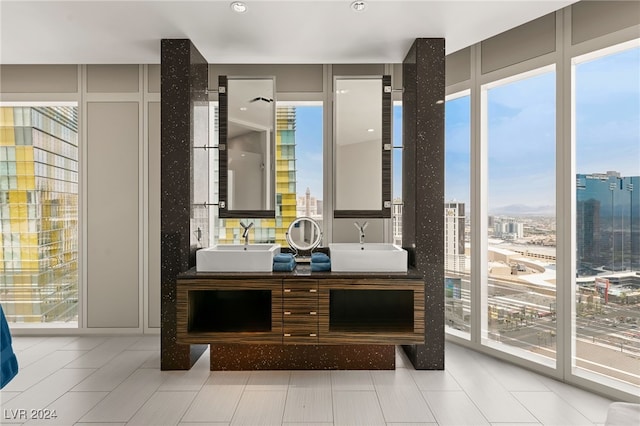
pixel 235 409
pixel 375 389
pixel 433 413
pixel 527 408
pixel 93 406
pixel 50 374
pixel 121 382
pixel 189 407
pixel 477 407
pixel 145 401
pixel 569 403
pixel 181 416
pixel 333 414
pixel 424 398
pixel 286 396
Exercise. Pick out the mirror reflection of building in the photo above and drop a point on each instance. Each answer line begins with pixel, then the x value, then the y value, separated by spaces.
pixel 247 146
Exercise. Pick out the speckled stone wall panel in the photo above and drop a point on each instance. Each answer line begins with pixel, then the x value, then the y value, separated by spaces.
pixel 183 84
pixel 302 357
pixel 423 78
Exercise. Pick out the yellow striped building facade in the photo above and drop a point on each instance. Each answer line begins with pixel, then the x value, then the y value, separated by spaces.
pixel 39 213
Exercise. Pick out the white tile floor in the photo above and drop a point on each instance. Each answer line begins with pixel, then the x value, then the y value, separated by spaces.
pixel 93 381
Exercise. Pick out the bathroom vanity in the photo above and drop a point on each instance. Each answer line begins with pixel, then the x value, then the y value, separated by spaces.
pixel 259 320
pixel 300 319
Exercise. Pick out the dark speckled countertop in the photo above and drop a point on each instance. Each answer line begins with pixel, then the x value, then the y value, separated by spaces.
pixel 302 271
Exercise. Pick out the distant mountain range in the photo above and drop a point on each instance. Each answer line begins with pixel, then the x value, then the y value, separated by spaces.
pixel 523 210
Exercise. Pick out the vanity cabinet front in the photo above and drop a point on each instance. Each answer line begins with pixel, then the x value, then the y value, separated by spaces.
pixel 229 311
pixel 371 310
pixel 300 312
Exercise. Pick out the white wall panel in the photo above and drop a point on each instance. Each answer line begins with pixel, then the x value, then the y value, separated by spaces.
pixel 154 79
pixel 528 41
pixel 154 215
pixel 358 69
pixel 289 78
pixel 591 19
pixel 458 67
pixel 112 214
pixel 112 78
pixel 39 78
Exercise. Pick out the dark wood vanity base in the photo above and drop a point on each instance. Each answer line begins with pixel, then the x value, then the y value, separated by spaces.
pixel 301 321
pixel 302 357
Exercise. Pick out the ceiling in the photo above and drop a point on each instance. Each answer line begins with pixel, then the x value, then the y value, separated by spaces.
pixel 289 31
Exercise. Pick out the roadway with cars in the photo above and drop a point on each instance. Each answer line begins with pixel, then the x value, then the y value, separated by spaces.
pixel 607 339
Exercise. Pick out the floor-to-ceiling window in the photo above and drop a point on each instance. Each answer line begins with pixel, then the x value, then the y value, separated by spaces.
pixel 606 296
pixel 519 289
pixel 456 214
pixel 39 213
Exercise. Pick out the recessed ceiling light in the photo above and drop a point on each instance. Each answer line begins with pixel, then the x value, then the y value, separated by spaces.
pixel 358 6
pixel 238 7
pixel 370 130
pixel 243 108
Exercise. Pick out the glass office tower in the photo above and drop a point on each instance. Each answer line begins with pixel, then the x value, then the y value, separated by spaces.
pixel 39 213
pixel 608 223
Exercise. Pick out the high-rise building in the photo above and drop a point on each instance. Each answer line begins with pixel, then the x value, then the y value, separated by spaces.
pixel 396 219
pixel 507 229
pixel 454 221
pixel 39 213
pixel 285 171
pixel 588 233
pixel 608 222
pixel 309 206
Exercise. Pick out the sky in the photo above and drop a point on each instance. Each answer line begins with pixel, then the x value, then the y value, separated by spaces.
pixel 608 114
pixel 521 142
pixel 521 134
pixel 309 150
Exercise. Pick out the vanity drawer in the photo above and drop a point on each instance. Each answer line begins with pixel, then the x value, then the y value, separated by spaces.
pixel 295 287
pixel 300 338
pixel 294 320
pixel 300 304
pixel 304 311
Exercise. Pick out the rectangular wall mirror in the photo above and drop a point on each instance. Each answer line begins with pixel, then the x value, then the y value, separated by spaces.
pixel 362 147
pixel 247 146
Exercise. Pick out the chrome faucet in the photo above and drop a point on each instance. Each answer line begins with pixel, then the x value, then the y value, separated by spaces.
pixel 245 233
pixel 361 232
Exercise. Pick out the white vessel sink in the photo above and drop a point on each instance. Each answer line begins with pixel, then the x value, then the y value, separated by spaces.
pixel 367 257
pixel 237 258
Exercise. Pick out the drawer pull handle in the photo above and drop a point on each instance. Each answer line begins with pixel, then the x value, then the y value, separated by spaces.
pixel 287 290
pixel 287 312
pixel 312 313
pixel 287 334
pixel 313 290
pixel 312 335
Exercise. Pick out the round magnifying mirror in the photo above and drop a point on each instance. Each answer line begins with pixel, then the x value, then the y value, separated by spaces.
pixel 304 234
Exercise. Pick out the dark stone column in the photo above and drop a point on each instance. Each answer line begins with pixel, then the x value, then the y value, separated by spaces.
pixel 423 188
pixel 184 81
